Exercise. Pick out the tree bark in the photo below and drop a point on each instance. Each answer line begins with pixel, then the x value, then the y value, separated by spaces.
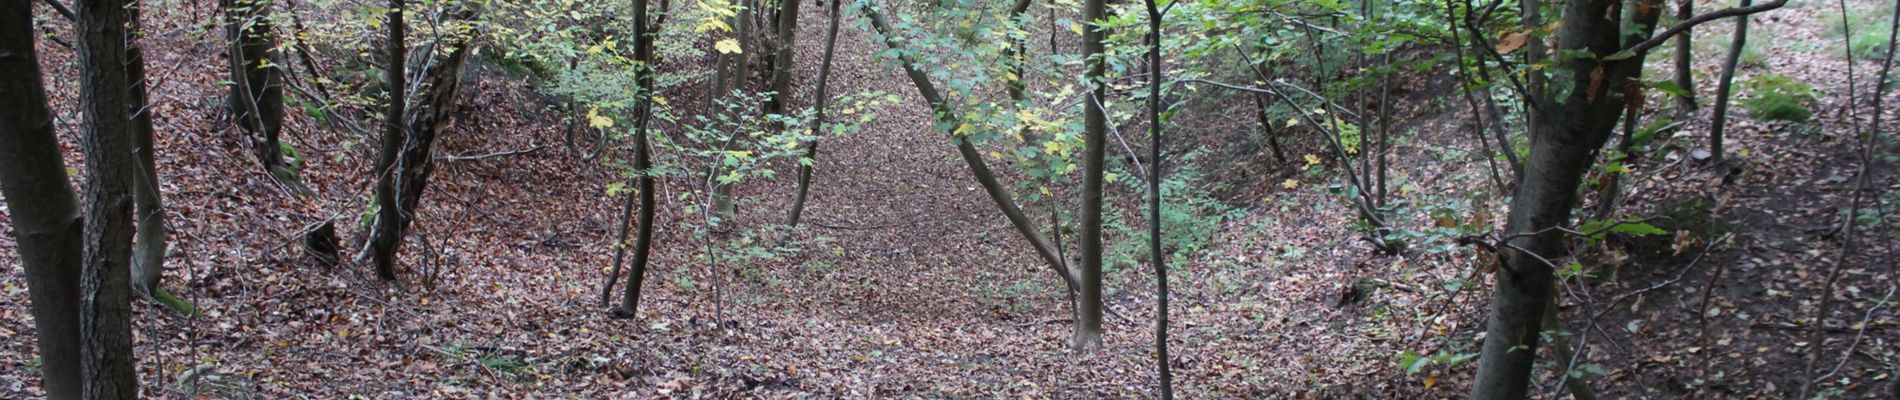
pixel 1088 322
pixel 1685 67
pixel 148 258
pixel 105 324
pixel 1719 123
pixel 723 205
pixel 44 210
pixel 642 160
pixel 973 158
pixel 1563 147
pixel 257 93
pixel 386 238
pixel 818 119
pixel 1154 202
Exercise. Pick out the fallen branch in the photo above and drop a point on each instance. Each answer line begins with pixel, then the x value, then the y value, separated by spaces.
pixel 454 158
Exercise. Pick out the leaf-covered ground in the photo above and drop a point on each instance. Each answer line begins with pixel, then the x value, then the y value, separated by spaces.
pixel 906 283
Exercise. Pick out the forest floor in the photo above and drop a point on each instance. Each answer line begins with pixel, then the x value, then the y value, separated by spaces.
pixel 906 283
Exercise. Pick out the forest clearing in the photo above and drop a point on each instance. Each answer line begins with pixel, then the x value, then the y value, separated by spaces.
pixel 785 199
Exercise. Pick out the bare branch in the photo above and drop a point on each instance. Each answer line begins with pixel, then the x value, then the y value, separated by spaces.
pixel 1699 19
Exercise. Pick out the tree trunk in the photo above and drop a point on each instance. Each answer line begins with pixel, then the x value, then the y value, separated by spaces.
pixel 257 94
pixel 642 160
pixel 1685 67
pixel 723 205
pixel 44 211
pixel 818 119
pixel 971 157
pixel 105 311
pixel 1579 385
pixel 386 238
pixel 1723 87
pixel 148 258
pixel 1088 324
pixel 783 56
pixel 1563 147
pixel 1154 202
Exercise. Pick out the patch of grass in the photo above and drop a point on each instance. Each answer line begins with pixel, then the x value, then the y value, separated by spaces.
pixel 1777 97
pixel 1868 34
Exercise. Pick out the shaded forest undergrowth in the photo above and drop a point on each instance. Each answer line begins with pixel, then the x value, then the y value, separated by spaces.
pixel 906 283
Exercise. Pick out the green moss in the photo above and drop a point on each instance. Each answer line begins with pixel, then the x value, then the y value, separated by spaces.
pixel 1777 97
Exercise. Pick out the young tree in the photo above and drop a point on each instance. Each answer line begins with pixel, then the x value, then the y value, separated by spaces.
pixel 386 237
pixel 1154 202
pixel 257 93
pixel 1088 323
pixel 946 114
pixel 44 211
pixel 1566 135
pixel 818 118
pixel 406 176
pixel 1685 67
pixel 148 257
pixel 1718 124
pixel 642 160
pixel 105 323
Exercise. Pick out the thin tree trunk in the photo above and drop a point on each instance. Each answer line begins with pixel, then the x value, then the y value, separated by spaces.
pixel 257 95
pixel 1464 87
pixel 973 158
pixel 1719 123
pixel 1685 67
pixel 1088 325
pixel 1266 128
pixel 1563 148
pixel 44 210
pixel 1579 386
pixel 1154 202
pixel 642 160
pixel 818 119
pixel 386 238
pixel 148 257
pixel 620 248
pixel 105 324
pixel 723 205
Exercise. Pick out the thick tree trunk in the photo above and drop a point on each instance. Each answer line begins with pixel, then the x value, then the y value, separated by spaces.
pixel 386 237
pixel 1718 124
pixel 642 160
pixel 1564 144
pixel 45 213
pixel 105 324
pixel 1685 67
pixel 1088 322
pixel 1154 203
pixel 257 95
pixel 818 119
pixel 973 158
pixel 148 258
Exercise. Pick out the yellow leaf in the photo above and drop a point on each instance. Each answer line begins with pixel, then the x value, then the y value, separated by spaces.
pixel 1290 184
pixel 594 119
pixel 1075 27
pixel 728 46
pixel 1292 122
pixel 1431 379
pixel 660 100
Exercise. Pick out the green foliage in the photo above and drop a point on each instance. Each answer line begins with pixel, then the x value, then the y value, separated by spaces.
pixel 1777 97
pixel 1190 219
pixel 1867 28
pixel 1414 363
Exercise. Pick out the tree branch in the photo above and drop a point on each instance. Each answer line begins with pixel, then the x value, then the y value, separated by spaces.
pixel 1699 19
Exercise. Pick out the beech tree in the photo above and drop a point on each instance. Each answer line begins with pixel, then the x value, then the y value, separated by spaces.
pixel 1566 133
pixel 45 212
pixel 1088 321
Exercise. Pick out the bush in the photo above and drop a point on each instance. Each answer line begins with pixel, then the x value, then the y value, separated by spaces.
pixel 1776 97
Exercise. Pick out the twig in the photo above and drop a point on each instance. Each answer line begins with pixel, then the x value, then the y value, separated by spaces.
pixel 454 158
pixel 1692 22
pixel 63 11
pixel 1858 334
